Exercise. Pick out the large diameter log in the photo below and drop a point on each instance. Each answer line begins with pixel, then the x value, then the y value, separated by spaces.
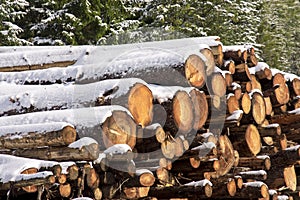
pixel 108 125
pixel 286 157
pixel 136 61
pixel 178 106
pixel 132 93
pixel 195 71
pixel 216 84
pixel 282 177
pixel 191 190
pixel 248 142
pixel 226 155
pixel 210 60
pixel 35 135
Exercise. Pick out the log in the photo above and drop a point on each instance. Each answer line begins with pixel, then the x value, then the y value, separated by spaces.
pixel 136 192
pixel 90 152
pixel 216 84
pixel 229 65
pixel 201 108
pixel 142 178
pixel 223 188
pixel 37 135
pixel 258 175
pixel 29 182
pixel 247 142
pixel 245 103
pixel 294 87
pixel 286 157
pixel 255 189
pixel 210 60
pixel 108 125
pixel 257 114
pixel 242 73
pixel 132 93
pixel 199 189
pixel 255 163
pixel 65 190
pixel 282 177
pixel 232 103
pixel 236 53
pixel 178 105
pixel 139 58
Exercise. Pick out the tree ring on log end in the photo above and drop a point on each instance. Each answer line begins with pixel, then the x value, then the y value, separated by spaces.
pixel 227 156
pixel 119 128
pixel 290 178
pixel 246 103
pixel 258 108
pixel 183 112
pixel 140 104
pixel 253 139
pixel 208 190
pixel 231 187
pixel 200 108
pixel 69 134
pixel 264 190
pixel 195 71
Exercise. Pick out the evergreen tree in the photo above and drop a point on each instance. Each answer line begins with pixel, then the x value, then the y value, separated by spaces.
pixel 10 12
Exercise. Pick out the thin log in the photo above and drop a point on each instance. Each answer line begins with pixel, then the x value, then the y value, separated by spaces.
pixel 88 153
pixel 201 189
pixel 255 163
pixel 142 178
pixel 258 175
pixel 136 192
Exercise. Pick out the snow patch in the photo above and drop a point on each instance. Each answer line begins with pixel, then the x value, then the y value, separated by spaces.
pixel 236 115
pixel 85 141
pixel 201 183
pixel 118 149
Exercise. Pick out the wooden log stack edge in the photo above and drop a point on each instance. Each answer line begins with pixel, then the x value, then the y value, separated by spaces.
pixel 211 122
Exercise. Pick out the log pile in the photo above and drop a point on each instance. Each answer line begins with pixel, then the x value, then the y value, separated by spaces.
pixel 210 122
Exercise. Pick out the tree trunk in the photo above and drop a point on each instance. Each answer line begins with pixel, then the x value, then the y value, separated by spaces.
pixel 37 135
pixel 132 93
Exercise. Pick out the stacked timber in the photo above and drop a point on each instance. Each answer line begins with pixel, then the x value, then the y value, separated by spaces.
pixel 187 118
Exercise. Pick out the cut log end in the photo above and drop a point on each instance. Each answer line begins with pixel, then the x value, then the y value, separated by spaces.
pixel 119 129
pixel 246 103
pixel 69 134
pixel 183 112
pixel 253 139
pixel 208 190
pixel 210 60
pixel 227 156
pixel 290 178
pixel 200 108
pixel 195 71
pixel 231 187
pixel 258 108
pixel 218 84
pixel 140 104
pixel 147 179
pixel 232 104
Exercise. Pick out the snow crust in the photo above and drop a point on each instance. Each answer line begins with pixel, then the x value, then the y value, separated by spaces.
pixel 80 118
pixel 235 115
pixel 204 146
pixel 85 141
pixel 44 174
pixel 254 184
pixel 201 183
pixel 163 93
pixel 296 111
pixel 258 172
pixel 118 149
pixel 139 172
pixel 259 67
pixel 82 198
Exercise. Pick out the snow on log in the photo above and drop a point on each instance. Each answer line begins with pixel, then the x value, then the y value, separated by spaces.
pixel 154 65
pixel 132 93
pixel 34 135
pixel 108 125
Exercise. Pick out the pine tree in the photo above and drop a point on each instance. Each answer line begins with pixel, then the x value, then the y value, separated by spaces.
pixel 10 12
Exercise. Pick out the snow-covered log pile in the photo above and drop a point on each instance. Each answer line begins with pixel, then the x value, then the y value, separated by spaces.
pixel 187 118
